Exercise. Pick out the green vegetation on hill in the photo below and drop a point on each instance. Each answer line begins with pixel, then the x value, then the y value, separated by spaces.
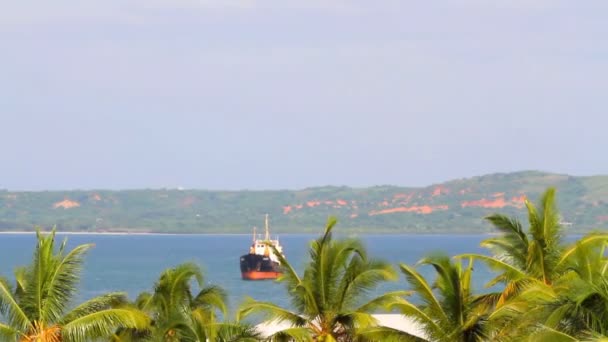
pixel 454 206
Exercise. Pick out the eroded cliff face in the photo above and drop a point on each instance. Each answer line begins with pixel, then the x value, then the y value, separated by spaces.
pixel 466 201
pixel 425 202
pixel 66 204
pixel 415 202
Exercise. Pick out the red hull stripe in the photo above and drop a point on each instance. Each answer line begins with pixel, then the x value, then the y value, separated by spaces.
pixel 255 275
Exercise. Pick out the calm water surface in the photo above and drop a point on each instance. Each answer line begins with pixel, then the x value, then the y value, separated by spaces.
pixel 132 263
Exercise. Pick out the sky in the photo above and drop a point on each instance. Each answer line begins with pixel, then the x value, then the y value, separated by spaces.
pixel 288 94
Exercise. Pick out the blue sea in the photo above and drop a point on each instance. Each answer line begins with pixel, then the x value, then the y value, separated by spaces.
pixel 132 263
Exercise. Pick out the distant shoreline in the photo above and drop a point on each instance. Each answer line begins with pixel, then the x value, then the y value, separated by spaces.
pixel 110 233
pixel 343 234
pixel 79 233
pixel 455 207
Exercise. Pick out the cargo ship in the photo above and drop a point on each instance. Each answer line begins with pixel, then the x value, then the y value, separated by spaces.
pixel 261 262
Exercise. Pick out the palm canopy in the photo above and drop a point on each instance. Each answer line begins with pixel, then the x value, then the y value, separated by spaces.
pixel 447 309
pixel 329 301
pixel 537 255
pixel 38 307
pixel 576 304
pixel 538 270
pixel 180 315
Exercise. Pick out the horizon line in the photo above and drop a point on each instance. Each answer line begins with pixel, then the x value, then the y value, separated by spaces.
pixel 180 188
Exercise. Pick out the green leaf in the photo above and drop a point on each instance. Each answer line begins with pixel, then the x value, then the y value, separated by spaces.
pixel 11 309
pixel 102 324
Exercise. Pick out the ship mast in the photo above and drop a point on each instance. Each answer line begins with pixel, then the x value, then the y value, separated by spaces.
pixel 253 234
pixel 267 231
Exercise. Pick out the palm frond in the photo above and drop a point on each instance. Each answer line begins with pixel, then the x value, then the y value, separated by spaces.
pixel 424 290
pixel 270 311
pixel 7 333
pixel 488 300
pixel 211 297
pixel 176 330
pixel 384 301
pixel 131 335
pixel 10 308
pixel 292 335
pixel 331 223
pixel 544 251
pixel 62 283
pixel 236 332
pixel 178 280
pixel 590 336
pixel 591 239
pixel 449 284
pixel 386 334
pixel 144 301
pixel 352 321
pixel 37 274
pixel 549 334
pixel 289 275
pixel 104 302
pixel 103 324
pixel 321 263
pixel 466 276
pixel 326 256
pixel 509 272
pixel 172 290
pixel 513 242
pixel 21 282
pixel 550 218
pixel 358 279
pixel 428 323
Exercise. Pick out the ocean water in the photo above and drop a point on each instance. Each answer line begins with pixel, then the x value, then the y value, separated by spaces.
pixel 132 263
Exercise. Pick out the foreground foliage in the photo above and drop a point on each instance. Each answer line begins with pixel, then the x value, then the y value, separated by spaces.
pixel 448 310
pixel 36 307
pixel 329 300
pixel 548 286
pixel 179 315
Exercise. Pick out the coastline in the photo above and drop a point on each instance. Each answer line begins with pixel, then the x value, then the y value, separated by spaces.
pixel 343 234
pixel 77 233
pixel 8 232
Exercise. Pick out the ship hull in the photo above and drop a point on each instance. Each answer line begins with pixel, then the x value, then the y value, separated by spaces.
pixel 255 275
pixel 259 267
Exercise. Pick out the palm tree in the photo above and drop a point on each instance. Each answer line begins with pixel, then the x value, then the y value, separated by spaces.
pixel 536 256
pixel 527 255
pixel 577 303
pixel 329 300
pixel 446 310
pixel 178 315
pixel 37 307
pixel 532 262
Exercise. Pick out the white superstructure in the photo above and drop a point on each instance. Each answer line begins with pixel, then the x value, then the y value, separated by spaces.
pixel 264 246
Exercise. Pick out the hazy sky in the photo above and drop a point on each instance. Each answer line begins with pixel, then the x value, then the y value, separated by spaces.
pixel 268 94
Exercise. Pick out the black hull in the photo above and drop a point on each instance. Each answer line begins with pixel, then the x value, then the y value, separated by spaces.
pixel 258 263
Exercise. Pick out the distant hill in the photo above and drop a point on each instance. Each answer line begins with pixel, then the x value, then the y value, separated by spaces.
pixel 453 206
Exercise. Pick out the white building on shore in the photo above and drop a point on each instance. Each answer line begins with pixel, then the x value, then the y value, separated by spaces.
pixel 394 321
